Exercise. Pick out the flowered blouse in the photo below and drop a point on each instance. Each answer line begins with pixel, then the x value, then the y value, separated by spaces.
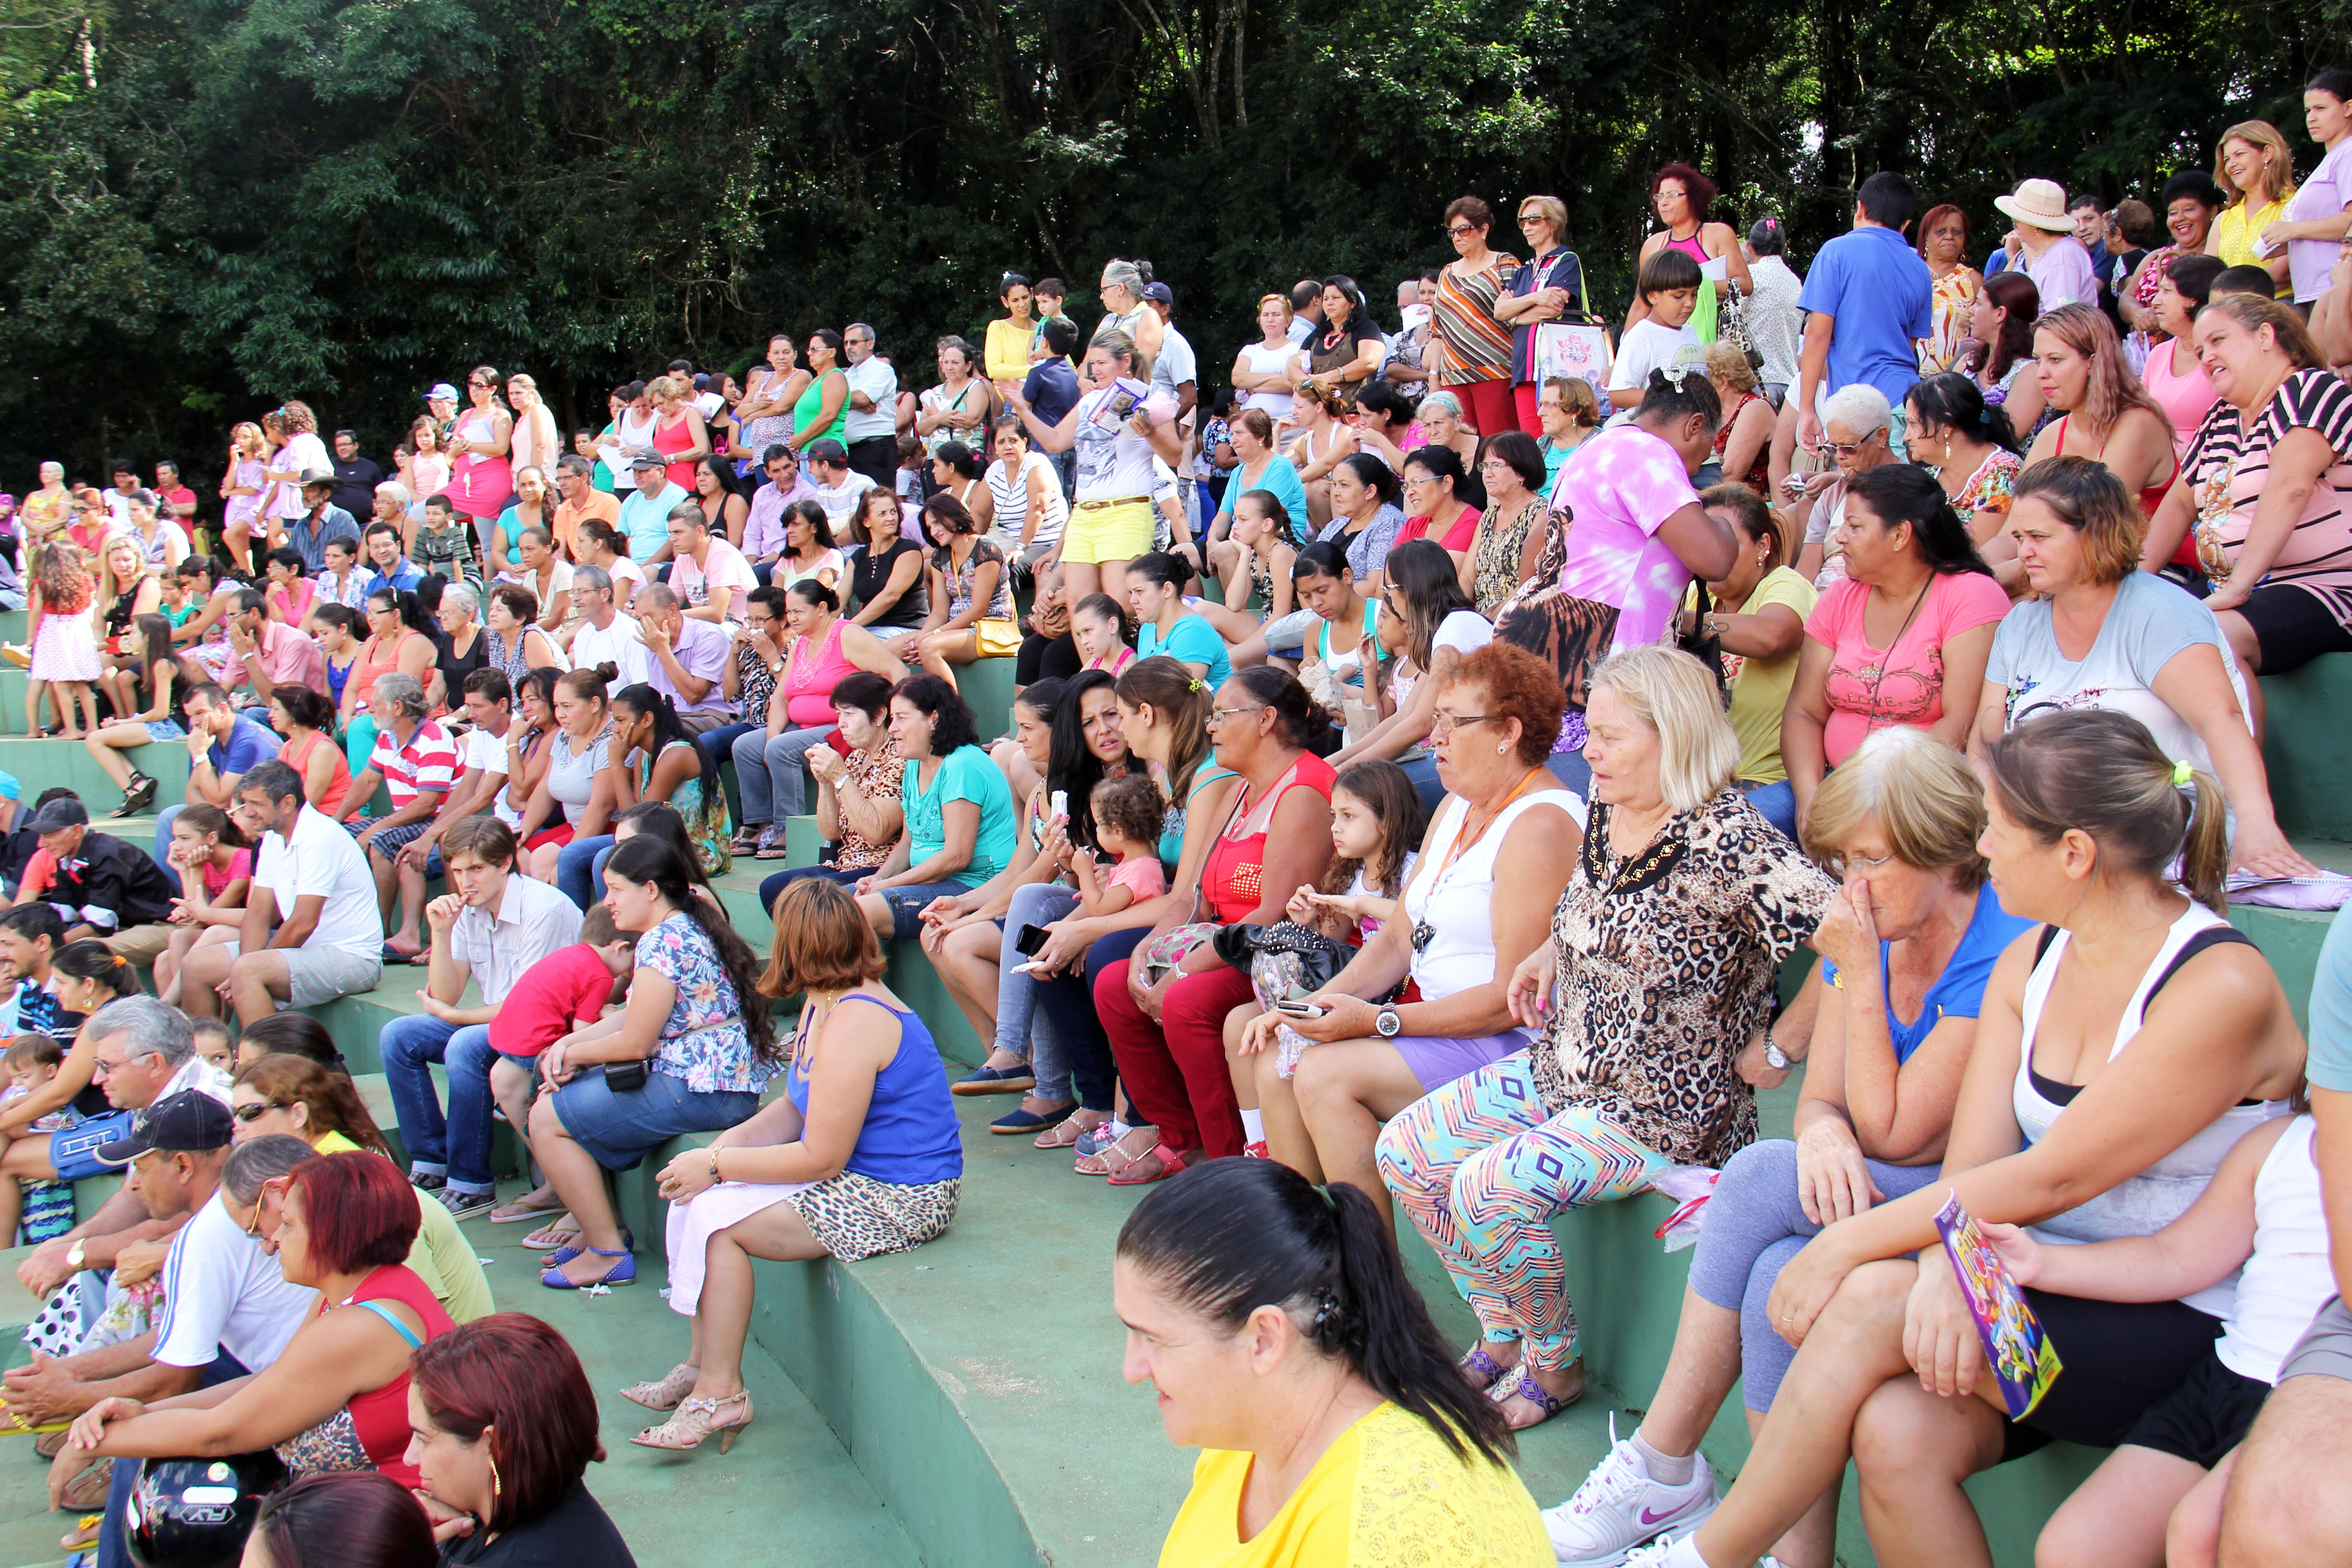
pixel 703 1040
pixel 962 580
pixel 708 821
pixel 1667 962
pixel 1988 488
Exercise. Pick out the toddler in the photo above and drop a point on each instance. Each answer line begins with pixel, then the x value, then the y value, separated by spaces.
pixel 568 987
pixel 1128 819
pixel 44 1208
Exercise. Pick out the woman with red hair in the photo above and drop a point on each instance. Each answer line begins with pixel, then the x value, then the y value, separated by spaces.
pixel 1680 195
pixel 337 1397
pixel 504 1427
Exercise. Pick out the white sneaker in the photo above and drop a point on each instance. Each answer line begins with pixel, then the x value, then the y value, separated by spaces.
pixel 1618 1507
pixel 1678 1552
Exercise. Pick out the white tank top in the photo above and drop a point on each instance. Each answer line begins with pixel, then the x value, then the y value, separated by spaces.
pixel 1263 360
pixel 1010 488
pixel 2289 1278
pixel 2146 1203
pixel 1450 902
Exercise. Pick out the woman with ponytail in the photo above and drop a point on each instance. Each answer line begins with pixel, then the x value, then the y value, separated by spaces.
pixel 694 1022
pixel 1971 446
pixel 1901 639
pixel 2121 1050
pixel 669 766
pixel 1274 1321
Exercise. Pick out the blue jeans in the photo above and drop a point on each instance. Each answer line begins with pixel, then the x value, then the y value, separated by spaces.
pixel 771 772
pixel 1018 1028
pixel 719 743
pixel 459 1146
pixel 575 865
pixel 1573 772
pixel 162 852
pixel 908 901
pixel 773 887
pixel 111 1551
pixel 1776 802
pixel 1422 771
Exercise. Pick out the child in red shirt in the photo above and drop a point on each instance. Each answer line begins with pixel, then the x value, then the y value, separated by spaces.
pixel 569 987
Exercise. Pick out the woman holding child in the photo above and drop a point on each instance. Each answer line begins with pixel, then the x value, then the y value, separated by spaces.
pixel 862 1156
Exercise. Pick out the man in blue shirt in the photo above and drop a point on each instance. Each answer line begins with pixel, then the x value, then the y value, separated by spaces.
pixel 223 745
pixel 1872 301
pixel 390 569
pixel 644 511
pixel 308 534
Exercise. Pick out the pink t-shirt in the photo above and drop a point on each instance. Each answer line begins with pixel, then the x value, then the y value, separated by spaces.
pixel 216 879
pixel 1870 688
pixel 1620 486
pixel 1456 538
pixel 2184 398
pixel 1141 876
pixel 724 573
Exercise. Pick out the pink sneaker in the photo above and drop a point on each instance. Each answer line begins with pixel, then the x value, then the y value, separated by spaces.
pixel 1256 1151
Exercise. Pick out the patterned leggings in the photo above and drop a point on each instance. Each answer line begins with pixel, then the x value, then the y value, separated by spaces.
pixel 1481 1169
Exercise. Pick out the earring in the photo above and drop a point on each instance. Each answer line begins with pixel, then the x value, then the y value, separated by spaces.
pixel 495 1488
pixel 1502 748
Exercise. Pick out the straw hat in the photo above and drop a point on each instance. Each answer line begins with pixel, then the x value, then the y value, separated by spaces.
pixel 2042 203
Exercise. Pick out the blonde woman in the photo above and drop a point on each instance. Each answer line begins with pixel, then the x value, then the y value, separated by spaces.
pixel 535 442
pixel 2256 171
pixel 1262 371
pixel 240 488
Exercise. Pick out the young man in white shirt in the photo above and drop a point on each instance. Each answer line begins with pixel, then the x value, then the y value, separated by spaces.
pixel 839 487
pixel 312 883
pixel 489 700
pixel 605 636
pixel 489 927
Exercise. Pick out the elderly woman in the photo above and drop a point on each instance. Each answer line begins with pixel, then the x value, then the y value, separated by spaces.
pixel 1855 422
pixel 1365 517
pixel 1459 931
pixel 1901 639
pixel 957 805
pixel 1262 467
pixel 1503 550
pixel 1906 947
pixel 1126 311
pixel 2149 648
pixel 1115 432
pixel 692 1019
pixel 1756 614
pixel 2103 411
pixel 2263 488
pixel 1276 1322
pixel 1944 247
pixel 1474 347
pixel 1549 287
pixel 1651 1006
pixel 341 1385
pixel 460 649
pixel 798 715
pixel 1166 1023
pixel 512 642
pixel 862 1155
pixel 2110 1076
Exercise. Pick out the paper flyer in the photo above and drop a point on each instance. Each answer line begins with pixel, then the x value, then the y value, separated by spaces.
pixel 2020 1352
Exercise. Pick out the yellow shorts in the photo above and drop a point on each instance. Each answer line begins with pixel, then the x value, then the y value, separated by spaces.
pixel 1116 530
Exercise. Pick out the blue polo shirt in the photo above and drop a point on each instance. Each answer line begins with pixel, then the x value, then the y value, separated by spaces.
pixel 646 522
pixel 248 746
pixel 403 577
pixel 1873 284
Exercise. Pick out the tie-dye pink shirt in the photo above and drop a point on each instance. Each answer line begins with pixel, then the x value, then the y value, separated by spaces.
pixel 1619 487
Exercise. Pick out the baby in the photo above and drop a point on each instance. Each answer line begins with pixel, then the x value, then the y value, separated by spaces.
pixel 45 1209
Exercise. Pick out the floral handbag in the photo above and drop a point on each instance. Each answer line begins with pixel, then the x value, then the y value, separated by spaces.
pixel 330 1447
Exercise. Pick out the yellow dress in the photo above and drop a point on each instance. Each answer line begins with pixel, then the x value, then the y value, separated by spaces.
pixel 441 1256
pixel 2234 233
pixel 1388 1494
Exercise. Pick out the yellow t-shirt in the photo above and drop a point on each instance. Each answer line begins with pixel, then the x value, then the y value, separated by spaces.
pixel 1388 1494
pixel 1005 354
pixel 2234 231
pixel 441 1256
pixel 1759 687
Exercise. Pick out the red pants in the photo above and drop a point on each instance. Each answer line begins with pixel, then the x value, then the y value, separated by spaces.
pixel 1174 1069
pixel 1487 405
pixel 1523 397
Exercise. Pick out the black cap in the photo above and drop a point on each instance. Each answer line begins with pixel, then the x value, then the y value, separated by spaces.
pixel 828 450
pixel 640 464
pixel 188 1121
pixel 65 811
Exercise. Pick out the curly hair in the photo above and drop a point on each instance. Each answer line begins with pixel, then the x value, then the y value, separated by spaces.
pixel 1518 685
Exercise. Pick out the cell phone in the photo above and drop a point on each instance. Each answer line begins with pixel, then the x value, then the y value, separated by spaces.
pixel 1301 1009
pixel 1060 804
pixel 1031 942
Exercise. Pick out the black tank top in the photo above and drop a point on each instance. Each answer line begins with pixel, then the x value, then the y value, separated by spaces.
pixel 870 573
pixel 455 666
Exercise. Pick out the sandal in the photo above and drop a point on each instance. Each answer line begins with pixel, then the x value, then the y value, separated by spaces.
pixel 1482 1370
pixel 770 845
pixel 559 1232
pixel 1066 1134
pixel 664 1395
pixel 1109 1156
pixel 748 841
pixel 87 1490
pixel 1160 1162
pixel 514 1211
pixel 624 1272
pixel 697 1419
pixel 1535 1394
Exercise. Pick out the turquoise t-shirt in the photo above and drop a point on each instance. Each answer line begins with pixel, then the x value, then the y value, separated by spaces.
pixel 1281 480
pixel 1194 641
pixel 965 774
pixel 2330 1065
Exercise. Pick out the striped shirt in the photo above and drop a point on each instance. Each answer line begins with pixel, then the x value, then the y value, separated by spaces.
pixel 2228 463
pixel 429 761
pixel 1472 346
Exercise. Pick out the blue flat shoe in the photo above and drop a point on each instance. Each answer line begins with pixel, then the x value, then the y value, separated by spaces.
pixel 624 1272
pixel 562 1255
pixel 1018 1119
pixel 1018 1079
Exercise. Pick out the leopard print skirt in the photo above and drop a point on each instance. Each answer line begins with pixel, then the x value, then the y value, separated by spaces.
pixel 857 1216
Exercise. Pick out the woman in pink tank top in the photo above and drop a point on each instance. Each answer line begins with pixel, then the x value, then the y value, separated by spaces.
pixel 481 479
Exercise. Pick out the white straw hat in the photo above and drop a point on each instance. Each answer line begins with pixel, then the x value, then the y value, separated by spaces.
pixel 2042 203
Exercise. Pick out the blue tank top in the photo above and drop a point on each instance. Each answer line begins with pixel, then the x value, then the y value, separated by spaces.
pixel 911 1137
pixel 1958 991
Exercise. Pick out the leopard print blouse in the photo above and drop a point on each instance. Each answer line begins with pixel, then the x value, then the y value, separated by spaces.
pixel 1667 961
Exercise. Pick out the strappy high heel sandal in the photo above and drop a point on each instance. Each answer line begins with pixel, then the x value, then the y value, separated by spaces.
pixel 698 1419
pixel 664 1395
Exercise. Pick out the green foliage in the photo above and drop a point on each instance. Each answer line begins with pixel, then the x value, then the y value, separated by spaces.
pixel 206 205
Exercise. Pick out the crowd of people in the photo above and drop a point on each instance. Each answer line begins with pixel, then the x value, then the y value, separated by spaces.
pixel 1422 762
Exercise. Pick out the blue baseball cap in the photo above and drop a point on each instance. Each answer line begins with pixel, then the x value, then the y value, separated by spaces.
pixel 9 789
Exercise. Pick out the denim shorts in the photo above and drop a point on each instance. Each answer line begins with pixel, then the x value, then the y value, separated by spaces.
pixel 619 1130
pixel 908 904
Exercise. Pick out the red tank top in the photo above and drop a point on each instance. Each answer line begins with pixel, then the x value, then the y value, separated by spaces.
pixel 675 437
pixel 1231 880
pixel 2151 496
pixel 381 1417
pixel 297 756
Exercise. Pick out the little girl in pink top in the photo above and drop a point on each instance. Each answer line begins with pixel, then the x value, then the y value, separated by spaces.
pixel 1099 630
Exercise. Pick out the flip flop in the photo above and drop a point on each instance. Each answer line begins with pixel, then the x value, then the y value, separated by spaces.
pixel 552 1237
pixel 513 1212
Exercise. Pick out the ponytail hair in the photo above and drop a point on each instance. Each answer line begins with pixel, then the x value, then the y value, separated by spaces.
pixel 1952 399
pixel 646 858
pixel 1180 699
pixel 1229 1236
pixel 2102 774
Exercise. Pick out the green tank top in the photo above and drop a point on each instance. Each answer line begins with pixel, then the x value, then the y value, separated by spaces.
pixel 812 400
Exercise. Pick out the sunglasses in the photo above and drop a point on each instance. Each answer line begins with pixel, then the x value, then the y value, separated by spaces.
pixel 249 1114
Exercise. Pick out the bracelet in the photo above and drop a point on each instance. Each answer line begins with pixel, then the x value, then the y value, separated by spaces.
pixel 714 1166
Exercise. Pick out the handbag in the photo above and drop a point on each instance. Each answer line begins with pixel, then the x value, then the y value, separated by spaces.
pixel 1703 646
pixel 997 639
pixel 625 1077
pixel 1284 961
pixel 1170 948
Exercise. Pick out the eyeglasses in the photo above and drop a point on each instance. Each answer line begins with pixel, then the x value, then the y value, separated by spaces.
pixel 1847 448
pixel 1459 230
pixel 249 1114
pixel 1218 715
pixel 1444 723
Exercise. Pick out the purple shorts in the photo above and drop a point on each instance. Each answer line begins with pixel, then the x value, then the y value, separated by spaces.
pixel 1438 1062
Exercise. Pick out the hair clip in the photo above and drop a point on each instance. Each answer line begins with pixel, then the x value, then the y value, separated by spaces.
pixel 1194 685
pixel 2181 774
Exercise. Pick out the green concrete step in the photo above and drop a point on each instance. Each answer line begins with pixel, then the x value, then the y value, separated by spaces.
pixel 39 764
pixel 2307 748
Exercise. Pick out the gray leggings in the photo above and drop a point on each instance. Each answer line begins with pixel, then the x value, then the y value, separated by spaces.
pixel 1753 1226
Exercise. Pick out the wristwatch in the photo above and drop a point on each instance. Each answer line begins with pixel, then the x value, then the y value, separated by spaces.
pixel 1774 1057
pixel 1388 1022
pixel 77 1252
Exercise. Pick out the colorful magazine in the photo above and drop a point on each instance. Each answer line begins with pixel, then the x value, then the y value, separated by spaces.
pixel 2019 1350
